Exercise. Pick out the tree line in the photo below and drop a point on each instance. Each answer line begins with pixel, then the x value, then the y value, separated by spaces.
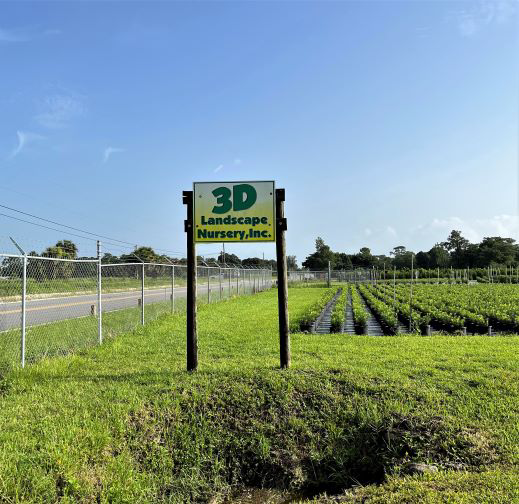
pixel 456 251
pixel 67 249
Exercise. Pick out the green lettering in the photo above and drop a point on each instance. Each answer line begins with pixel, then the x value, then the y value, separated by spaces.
pixel 223 198
pixel 243 197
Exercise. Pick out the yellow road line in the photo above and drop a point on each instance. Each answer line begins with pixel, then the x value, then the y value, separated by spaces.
pixel 66 305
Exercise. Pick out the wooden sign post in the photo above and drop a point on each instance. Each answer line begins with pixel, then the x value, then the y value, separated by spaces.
pixel 240 212
pixel 192 339
pixel 281 258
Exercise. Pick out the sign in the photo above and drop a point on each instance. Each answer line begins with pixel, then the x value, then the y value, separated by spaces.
pixel 234 212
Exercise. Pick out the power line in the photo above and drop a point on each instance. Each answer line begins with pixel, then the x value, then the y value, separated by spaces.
pixel 47 227
pixel 73 228
pixel 61 231
pixel 64 225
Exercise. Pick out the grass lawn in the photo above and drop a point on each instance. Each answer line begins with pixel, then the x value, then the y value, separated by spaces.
pixel 125 423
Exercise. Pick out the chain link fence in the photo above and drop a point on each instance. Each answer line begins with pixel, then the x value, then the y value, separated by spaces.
pixel 323 277
pixel 51 307
pixel 428 276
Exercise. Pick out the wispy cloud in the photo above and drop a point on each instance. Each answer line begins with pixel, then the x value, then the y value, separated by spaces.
pixel 13 35
pixel 109 151
pixel 59 109
pixel 24 138
pixel 218 168
pixel 368 232
pixel 483 14
pixel 237 161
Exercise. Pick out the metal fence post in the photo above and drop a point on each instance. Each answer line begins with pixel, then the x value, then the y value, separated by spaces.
pixel 220 280
pixel 208 286
pixel 172 289
pixel 142 295
pixel 99 300
pixel 24 293
pixel 99 303
pixel 237 281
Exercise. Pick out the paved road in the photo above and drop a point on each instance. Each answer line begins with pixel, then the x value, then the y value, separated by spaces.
pixel 51 309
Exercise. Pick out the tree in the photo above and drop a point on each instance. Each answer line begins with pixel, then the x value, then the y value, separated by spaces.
pixel 397 251
pixel 456 245
pixel 402 257
pixel 497 250
pixel 145 254
pixel 319 259
pixel 291 262
pixel 423 260
pixel 364 258
pixel 109 259
pixel 64 249
pixel 229 259
pixel 253 262
pixel 343 261
pixel 439 257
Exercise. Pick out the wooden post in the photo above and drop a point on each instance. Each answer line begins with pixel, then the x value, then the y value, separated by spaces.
pixel 281 257
pixel 394 289
pixel 192 343
pixel 329 273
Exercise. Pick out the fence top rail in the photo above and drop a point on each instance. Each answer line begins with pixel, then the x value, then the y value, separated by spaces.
pixel 175 265
pixel 11 255
pixel 129 264
pixel 50 258
pixel 135 264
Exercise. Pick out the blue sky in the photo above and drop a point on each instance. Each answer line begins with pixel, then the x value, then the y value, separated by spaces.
pixel 388 123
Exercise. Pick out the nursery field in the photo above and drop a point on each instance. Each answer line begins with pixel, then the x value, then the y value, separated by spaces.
pixel 477 309
pixel 124 422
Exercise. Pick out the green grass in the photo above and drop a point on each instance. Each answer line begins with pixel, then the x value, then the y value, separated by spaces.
pixel 126 423
pixel 75 334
